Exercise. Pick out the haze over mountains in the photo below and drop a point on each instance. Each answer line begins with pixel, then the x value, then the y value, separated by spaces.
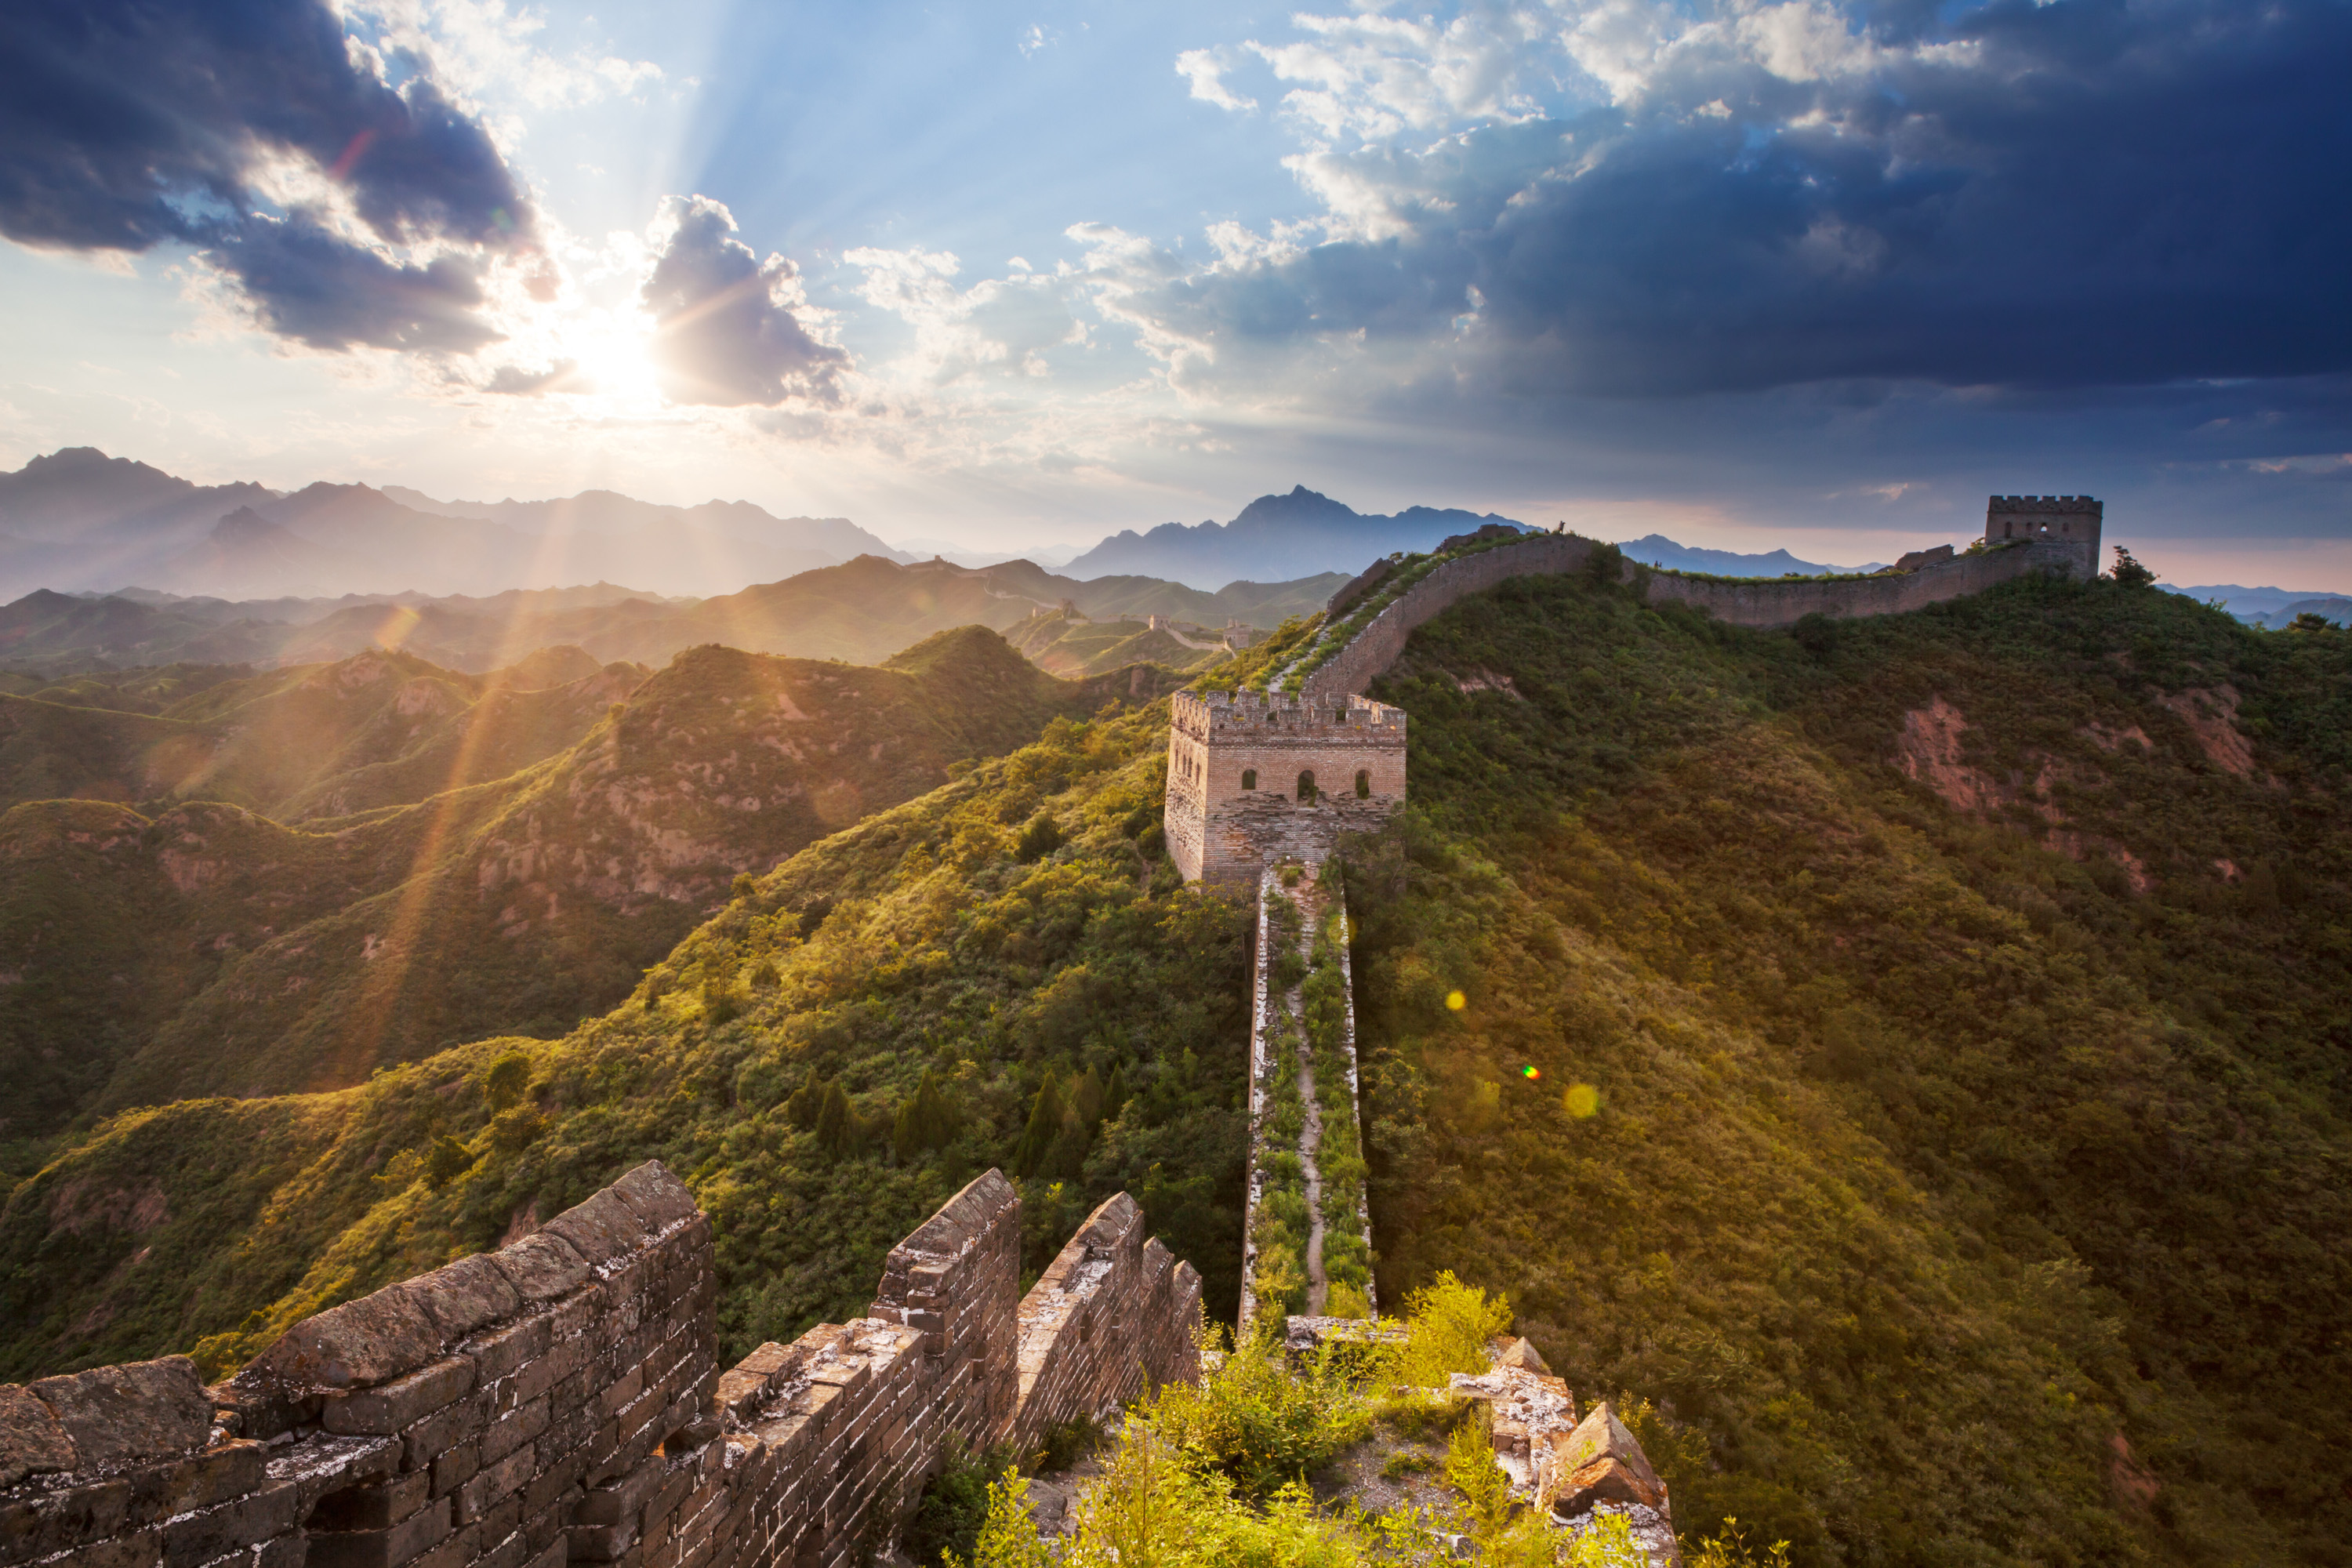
pixel 239 573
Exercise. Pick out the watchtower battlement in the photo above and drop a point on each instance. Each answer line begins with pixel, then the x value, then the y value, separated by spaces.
pixel 2048 520
pixel 1253 777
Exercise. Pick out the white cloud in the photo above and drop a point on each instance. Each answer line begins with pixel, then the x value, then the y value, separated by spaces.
pixel 1205 71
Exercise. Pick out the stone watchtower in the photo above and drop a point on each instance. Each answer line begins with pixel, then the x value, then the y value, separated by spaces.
pixel 2064 520
pixel 1251 778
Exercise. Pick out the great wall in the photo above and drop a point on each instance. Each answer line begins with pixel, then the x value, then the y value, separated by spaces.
pixel 1256 776
pixel 561 1400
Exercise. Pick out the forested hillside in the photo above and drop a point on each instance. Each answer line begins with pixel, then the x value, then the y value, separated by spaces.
pixel 517 877
pixel 1905 1059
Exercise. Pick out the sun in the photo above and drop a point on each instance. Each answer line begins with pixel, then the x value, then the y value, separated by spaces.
pixel 615 364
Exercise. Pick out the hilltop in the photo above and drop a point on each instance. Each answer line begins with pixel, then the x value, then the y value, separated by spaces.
pixel 1903 1057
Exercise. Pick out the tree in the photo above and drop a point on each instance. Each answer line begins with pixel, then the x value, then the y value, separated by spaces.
pixel 925 1122
pixel 508 1076
pixel 1039 840
pixel 801 1108
pixel 449 1160
pixel 1045 1125
pixel 2130 573
pixel 837 1129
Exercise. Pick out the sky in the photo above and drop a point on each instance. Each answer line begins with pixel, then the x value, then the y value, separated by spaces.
pixel 1747 273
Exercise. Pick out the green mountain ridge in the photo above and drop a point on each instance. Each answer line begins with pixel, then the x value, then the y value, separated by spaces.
pixel 1904 1060
pixel 209 949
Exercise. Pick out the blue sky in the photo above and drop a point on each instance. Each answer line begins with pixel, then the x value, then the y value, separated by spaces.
pixel 1748 273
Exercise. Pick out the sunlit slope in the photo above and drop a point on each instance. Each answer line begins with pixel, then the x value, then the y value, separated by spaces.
pixel 1963 999
pixel 377 729
pixel 246 957
pixel 952 936
pixel 1081 647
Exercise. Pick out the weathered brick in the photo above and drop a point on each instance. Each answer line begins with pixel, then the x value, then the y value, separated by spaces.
pixel 372 1339
pixel 115 1415
pixel 198 1537
pixel 541 1268
pixel 516 1427
pixel 499 1352
pixel 465 1297
pixel 499 1481
pixel 455 1465
pixel 388 1548
pixel 601 1228
pixel 376 1507
pixel 390 1407
pixel 33 1441
pixel 602 1542
pixel 559 1361
pixel 430 1438
pixel 557 1479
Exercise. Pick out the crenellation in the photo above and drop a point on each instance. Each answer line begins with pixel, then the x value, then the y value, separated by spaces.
pixel 561 1400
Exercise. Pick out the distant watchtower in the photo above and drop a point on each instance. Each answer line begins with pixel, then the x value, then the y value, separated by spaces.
pixel 1251 778
pixel 2049 520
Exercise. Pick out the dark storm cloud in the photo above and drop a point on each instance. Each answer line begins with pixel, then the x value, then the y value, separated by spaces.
pixel 2082 192
pixel 128 123
pixel 724 330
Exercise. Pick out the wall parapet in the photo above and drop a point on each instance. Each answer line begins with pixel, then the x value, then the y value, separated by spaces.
pixel 560 1401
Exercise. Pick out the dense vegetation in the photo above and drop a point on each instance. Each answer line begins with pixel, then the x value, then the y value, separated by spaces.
pixel 1905 1058
pixel 1942 1109
pixel 200 948
pixel 766 1059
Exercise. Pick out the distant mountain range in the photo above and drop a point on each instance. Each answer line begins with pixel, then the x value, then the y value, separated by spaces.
pixel 1276 537
pixel 1658 550
pixel 78 520
pixel 861 611
pixel 2273 609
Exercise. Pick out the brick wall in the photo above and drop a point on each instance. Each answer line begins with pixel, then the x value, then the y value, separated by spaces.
pixel 1767 602
pixel 1112 1317
pixel 558 1401
pixel 1762 602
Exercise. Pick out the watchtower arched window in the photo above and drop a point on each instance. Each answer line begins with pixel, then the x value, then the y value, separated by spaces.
pixel 1363 785
pixel 1307 787
pixel 1249 779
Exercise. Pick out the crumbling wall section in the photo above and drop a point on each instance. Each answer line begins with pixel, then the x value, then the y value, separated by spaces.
pixel 1112 1317
pixel 462 1417
pixel 558 1401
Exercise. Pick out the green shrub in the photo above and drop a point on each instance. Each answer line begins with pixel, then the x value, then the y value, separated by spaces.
pixel 1258 1423
pixel 1449 1326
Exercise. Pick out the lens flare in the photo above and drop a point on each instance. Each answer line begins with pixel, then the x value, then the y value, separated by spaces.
pixel 1531 1072
pixel 1456 1001
pixel 1582 1100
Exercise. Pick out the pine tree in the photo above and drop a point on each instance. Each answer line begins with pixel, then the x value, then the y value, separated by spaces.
pixel 801 1108
pixel 925 1122
pixel 837 1129
pixel 1045 1126
pixel 1114 1096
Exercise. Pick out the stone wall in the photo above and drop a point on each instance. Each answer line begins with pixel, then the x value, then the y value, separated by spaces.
pixel 1110 1319
pixel 1769 602
pixel 560 1401
pixel 1764 602
pixel 1377 646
